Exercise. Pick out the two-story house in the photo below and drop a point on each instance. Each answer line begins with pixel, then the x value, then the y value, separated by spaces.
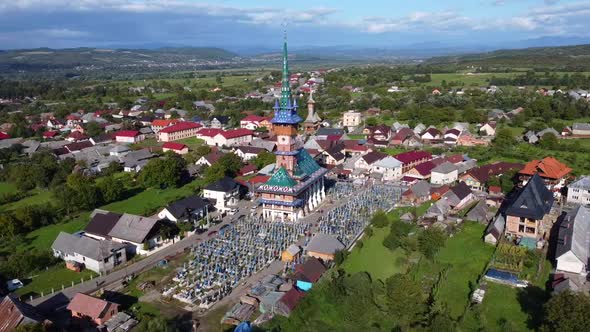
pixel 224 192
pixel 579 191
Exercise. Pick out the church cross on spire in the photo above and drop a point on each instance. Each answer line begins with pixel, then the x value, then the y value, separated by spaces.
pixel 285 85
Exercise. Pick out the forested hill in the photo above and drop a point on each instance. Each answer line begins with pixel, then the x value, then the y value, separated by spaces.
pixel 571 57
pixel 68 58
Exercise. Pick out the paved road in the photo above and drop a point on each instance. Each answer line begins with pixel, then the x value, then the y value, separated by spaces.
pixel 140 266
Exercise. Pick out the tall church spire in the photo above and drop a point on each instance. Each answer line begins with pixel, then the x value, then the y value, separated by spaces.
pixel 285 85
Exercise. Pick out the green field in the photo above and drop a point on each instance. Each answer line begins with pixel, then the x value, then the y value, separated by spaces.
pixel 464 257
pixel 43 237
pixel 54 277
pixel 40 197
pixel 506 309
pixel 365 259
pixel 191 142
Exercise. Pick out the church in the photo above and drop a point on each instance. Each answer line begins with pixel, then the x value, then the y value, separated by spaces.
pixel 297 184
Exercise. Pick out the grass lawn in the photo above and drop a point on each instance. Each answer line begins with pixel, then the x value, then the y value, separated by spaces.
pixel 375 258
pixel 393 151
pixel 146 143
pixel 40 197
pixel 191 142
pixel 43 237
pixel 148 201
pixel 53 277
pixel 506 308
pixel 6 187
pixel 356 136
pixel 464 256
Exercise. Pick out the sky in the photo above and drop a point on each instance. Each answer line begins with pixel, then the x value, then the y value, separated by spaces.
pixel 235 24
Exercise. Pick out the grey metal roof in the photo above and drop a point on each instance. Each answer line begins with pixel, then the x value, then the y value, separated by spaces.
pixel 496 227
pixel 581 126
pixel 85 246
pixel 574 234
pixel 445 168
pixel 479 212
pixel 421 188
pixel 582 183
pixel 133 228
pixel 388 162
pixel 324 243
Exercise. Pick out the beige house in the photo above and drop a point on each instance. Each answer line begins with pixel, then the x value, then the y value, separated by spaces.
pixel 351 119
pixel 179 131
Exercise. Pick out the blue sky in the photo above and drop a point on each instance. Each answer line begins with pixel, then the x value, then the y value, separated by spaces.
pixel 255 23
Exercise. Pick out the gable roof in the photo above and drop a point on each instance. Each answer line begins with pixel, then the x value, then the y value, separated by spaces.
pixel 445 168
pixel 461 190
pixel 533 201
pixel 127 133
pixel 548 167
pixel 250 149
pixel 85 246
pixel 133 228
pixel 174 146
pixel 388 162
pixel 90 306
pixel 411 156
pixel 420 189
pixel 226 184
pixel 281 178
pixel 102 223
pixel 324 244
pixel 181 126
pixel 164 123
pixel 483 173
pixel 14 313
pixel 582 183
pixel 574 234
pixel 373 156
pixel 312 269
pixel 180 208
pixel 209 132
pixel 213 156
pixel 236 133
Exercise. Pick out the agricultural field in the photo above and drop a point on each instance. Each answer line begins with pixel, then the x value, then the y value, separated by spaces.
pixel 54 277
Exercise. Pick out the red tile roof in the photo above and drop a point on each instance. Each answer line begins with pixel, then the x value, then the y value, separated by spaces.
pixel 50 134
pixel 236 133
pixel 174 146
pixel 548 167
pixel 253 118
pixel 249 168
pixel 411 156
pixel 77 135
pixel 425 168
pixel 181 126
pixel 89 306
pixel 209 132
pixel 333 137
pixel 292 298
pixel 127 133
pixel 259 179
pixel 483 173
pixel 164 123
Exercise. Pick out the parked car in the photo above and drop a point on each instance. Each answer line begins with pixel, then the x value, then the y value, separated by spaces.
pixel 212 233
pixel 14 284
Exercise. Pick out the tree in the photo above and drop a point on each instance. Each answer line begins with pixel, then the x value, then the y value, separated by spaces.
pixel 567 311
pixel 405 299
pixel 549 141
pixel 398 233
pixel 111 189
pixel 263 159
pixel 504 139
pixel 163 172
pixel 93 129
pixel 30 328
pixel 430 241
pixel 379 219
pixel 227 165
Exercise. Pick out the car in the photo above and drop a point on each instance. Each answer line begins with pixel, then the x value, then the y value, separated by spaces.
pixel 14 284
pixel 212 233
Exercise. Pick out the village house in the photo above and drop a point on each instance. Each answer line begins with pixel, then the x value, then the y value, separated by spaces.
pixel 412 158
pixel 451 136
pixel 252 122
pixel 179 131
pixel 495 229
pixel 477 178
pixel 431 134
pixel 572 252
pixel 488 129
pixel 233 137
pixel 160 124
pixel 324 247
pixel 402 136
pixel 208 135
pixel 351 120
pixel 334 156
pixel 527 215
pixel 177 148
pixel 15 314
pixel 366 161
pixel 91 309
pixel 554 173
pixel 581 130
pixel 459 196
pixel 100 256
pixel 134 161
pixel 421 171
pixel 444 173
pixel 190 209
pixel 76 136
pixel 579 191
pixel 138 232
pixel 219 122
pixel 417 194
pixel 247 153
pixel 224 192
pixel 209 159
pixel 129 136
pixel 389 167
